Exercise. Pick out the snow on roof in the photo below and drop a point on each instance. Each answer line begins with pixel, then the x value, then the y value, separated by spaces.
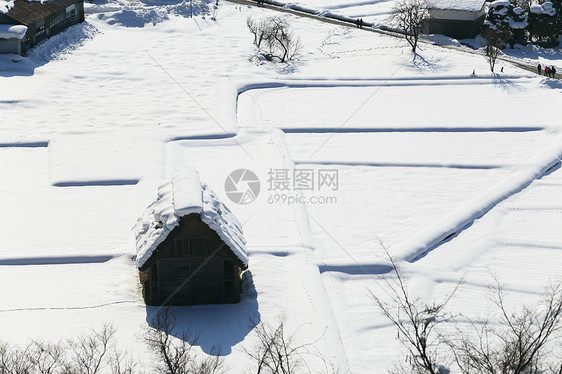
pixel 12 31
pixel 459 5
pixel 6 5
pixel 545 8
pixel 183 195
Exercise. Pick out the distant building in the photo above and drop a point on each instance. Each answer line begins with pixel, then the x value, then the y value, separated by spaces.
pixel 459 19
pixel 39 19
pixel 190 246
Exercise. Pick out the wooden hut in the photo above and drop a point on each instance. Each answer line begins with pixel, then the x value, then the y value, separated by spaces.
pixel 40 19
pixel 190 246
pixel 460 19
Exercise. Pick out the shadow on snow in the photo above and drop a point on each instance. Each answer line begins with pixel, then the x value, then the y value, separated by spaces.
pixel 357 269
pixel 219 326
pixel 48 50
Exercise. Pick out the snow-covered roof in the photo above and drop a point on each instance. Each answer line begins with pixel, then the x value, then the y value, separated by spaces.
pixel 458 5
pixel 12 31
pixel 6 5
pixel 183 195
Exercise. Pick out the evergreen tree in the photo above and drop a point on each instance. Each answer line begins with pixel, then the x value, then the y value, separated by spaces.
pixel 557 4
pixel 497 17
pixel 507 18
pixel 518 23
pixel 544 27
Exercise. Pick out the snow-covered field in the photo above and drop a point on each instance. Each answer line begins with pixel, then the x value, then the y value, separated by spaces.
pixel 96 118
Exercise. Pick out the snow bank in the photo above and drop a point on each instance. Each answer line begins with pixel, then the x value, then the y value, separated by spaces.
pixel 183 195
pixel 12 31
pixel 418 245
pixel 6 5
pixel 459 5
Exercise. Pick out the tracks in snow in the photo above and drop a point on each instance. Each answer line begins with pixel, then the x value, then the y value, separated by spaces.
pixel 328 17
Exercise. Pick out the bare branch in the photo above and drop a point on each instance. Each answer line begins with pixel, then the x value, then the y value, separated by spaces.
pixel 409 16
pixel 518 345
pixel 274 39
pixel 277 352
pixel 415 323
pixel 175 356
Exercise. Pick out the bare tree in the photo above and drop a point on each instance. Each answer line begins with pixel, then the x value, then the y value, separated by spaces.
pixel 4 354
pixel 215 10
pixel 282 45
pixel 86 355
pixel 47 358
pixel 415 322
pixel 95 353
pixel 174 355
pixel 260 29
pixel 519 345
pixel 121 363
pixel 214 364
pixel 494 41
pixel 14 360
pixel 274 39
pixel 409 16
pixel 89 351
pixel 277 352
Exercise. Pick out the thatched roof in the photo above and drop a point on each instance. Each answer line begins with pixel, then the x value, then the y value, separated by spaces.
pixel 183 195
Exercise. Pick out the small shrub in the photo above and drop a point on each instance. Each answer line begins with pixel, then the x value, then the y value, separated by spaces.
pixel 274 39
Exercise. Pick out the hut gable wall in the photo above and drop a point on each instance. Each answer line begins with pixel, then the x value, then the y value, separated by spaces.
pixel 456 29
pixel 191 238
pixel 187 269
